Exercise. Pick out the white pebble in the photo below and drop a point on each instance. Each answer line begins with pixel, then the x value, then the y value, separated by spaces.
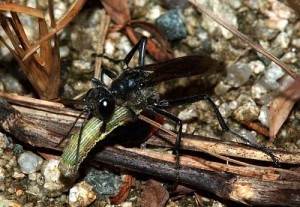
pixel 264 115
pixel 81 195
pixel 274 72
pixel 238 74
pixel 229 16
pixel 282 40
pixel 2 174
pixel 233 105
pixel 277 24
pixel 53 183
pixel 29 162
pixel 257 66
pixel 225 110
pixel 18 175
pixel 221 88
pixel 187 114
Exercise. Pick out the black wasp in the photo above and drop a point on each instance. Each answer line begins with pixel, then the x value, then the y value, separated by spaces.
pixel 132 91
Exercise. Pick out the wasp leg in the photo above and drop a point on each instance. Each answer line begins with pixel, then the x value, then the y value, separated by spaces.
pixel 141 45
pixel 107 71
pixel 99 82
pixel 178 122
pixel 134 116
pixel 79 138
pixel 224 126
pixel 106 57
pixel 64 138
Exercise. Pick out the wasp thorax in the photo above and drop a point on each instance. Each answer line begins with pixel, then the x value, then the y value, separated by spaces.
pixel 130 81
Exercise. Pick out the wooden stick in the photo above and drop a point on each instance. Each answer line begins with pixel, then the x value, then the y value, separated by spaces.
pixel 252 186
pixel 104 24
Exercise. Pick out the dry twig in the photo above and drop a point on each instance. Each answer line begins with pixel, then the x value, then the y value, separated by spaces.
pixel 252 185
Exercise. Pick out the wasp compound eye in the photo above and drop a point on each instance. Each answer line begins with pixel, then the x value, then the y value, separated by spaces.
pixel 106 107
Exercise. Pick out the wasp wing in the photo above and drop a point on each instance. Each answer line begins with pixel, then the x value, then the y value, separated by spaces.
pixel 180 67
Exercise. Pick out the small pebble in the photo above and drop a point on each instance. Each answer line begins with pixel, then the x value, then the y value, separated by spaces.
pixel 8 202
pixel 32 176
pixel 259 89
pixel 238 74
pixel 2 174
pixel 34 190
pixel 40 179
pixel 18 149
pixel 53 184
pixel 250 135
pixel 219 7
pixel 225 110
pixel 234 3
pixel 247 109
pixel 276 24
pixel 11 84
pixel 29 162
pixel 264 115
pixel 187 114
pixel 273 73
pixel 282 40
pixel 81 66
pixel 64 51
pixel 296 42
pixel 18 175
pixel 233 105
pixel 81 195
pixel 104 183
pixel 246 112
pixel 256 66
pixel 172 23
pixel 4 141
pixel 221 88
pixel 154 12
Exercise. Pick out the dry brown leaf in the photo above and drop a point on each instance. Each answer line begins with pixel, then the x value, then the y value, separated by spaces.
pixel 161 51
pixel 154 194
pixel 118 10
pixel 281 107
pixel 124 191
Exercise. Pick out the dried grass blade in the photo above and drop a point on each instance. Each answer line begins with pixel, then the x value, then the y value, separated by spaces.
pixel 19 30
pixel 10 35
pixel 104 24
pixel 45 49
pixel 13 7
pixel 13 52
pixel 55 78
pixel 21 35
pixel 73 11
